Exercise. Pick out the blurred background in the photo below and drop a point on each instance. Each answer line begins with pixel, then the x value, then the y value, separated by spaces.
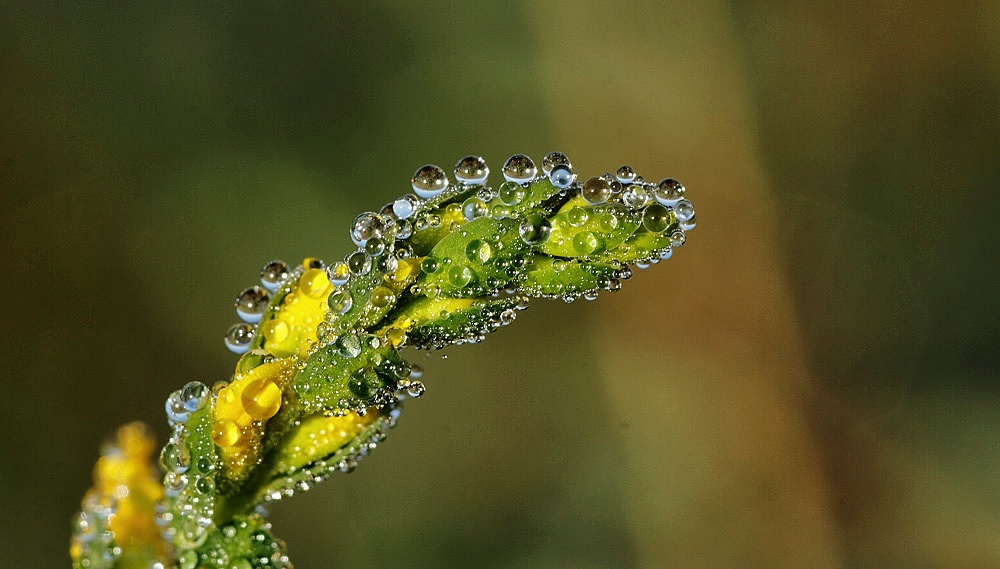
pixel 811 381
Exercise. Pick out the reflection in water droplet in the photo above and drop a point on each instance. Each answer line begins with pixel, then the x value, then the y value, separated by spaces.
pixel 460 276
pixel 261 399
pixel 553 159
pixel 429 181
pixel 472 170
pixel 634 197
pixel 314 283
pixel 562 177
pixel 511 193
pixel 474 208
pixel 272 273
pixel 656 218
pixel 535 229
pixel 479 251
pixel 359 263
pixel 194 395
pixel 340 301
pixel 596 191
pixel 405 206
pixel 669 191
pixel 349 345
pixel 338 273
pixel 677 238
pixel 238 338
pixel 577 216
pixel 585 243
pixel 519 168
pixel 375 246
pixel 684 210
pixel 366 226
pixel 382 296
pixel 429 265
pixel 625 174
pixel 251 304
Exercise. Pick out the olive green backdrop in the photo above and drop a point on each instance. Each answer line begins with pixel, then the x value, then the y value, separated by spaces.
pixel 810 382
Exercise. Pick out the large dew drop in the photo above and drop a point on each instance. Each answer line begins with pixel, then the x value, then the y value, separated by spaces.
pixel 238 338
pixel 472 170
pixel 511 193
pixel 272 273
pixel 656 218
pixel 429 181
pixel 405 206
pixel 340 301
pixel 669 191
pixel 596 191
pixel 553 159
pixel 535 229
pixel 519 168
pixel 366 226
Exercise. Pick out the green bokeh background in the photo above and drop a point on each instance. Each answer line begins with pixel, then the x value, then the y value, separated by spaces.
pixel 810 382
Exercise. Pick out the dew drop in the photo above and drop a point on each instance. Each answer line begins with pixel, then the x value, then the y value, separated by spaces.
pixel 225 433
pixel 340 301
pixel 349 345
pixel 562 177
pixel 261 399
pixel 382 297
pixel 474 208
pixel 175 457
pixel 666 253
pixel 585 243
pixel 690 223
pixel 429 265
pixel 275 331
pixel 460 276
pixel 359 263
pixel 272 273
pixel 314 283
pixel 625 174
pixel 429 180
pixel 677 238
pixel 577 216
pixel 507 316
pixel 519 168
pixel 366 226
pixel 656 218
pixel 511 193
pixel 251 304
pixel 338 273
pixel 375 246
pixel 669 191
pixel 684 210
pixel 553 159
pixel 596 191
pixel 479 251
pixel 406 206
pixel 174 406
pixel 238 338
pixel 194 395
pixel 472 170
pixel 204 484
pixel 415 389
pixel 634 197
pixel 608 221
pixel 535 229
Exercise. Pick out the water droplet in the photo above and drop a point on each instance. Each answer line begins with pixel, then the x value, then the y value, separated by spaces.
pixel 338 273
pixel 272 273
pixel 635 197
pixel 382 297
pixel 238 338
pixel 625 174
pixel 359 263
pixel 535 229
pixel 474 208
pixel 404 229
pixel 460 276
pixel 677 238
pixel 275 331
pixel 472 170
pixel 479 251
pixel 690 223
pixel 363 383
pixel 406 206
pixel 174 406
pixel 429 180
pixel 511 193
pixel 507 316
pixel 684 210
pixel 251 304
pixel 577 216
pixel 608 221
pixel 175 457
pixel 366 226
pixel 314 283
pixel 666 253
pixel 340 301
pixel 519 168
pixel 585 243
pixel 553 159
pixel 669 191
pixel 429 265
pixel 187 559
pixel 349 345
pixel 656 218
pixel 261 399
pixel 204 484
pixel 416 389
pixel 375 246
pixel 194 395
pixel 225 433
pixel 562 177
pixel 596 191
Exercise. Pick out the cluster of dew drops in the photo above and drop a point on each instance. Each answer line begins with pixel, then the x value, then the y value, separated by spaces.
pixel 381 236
